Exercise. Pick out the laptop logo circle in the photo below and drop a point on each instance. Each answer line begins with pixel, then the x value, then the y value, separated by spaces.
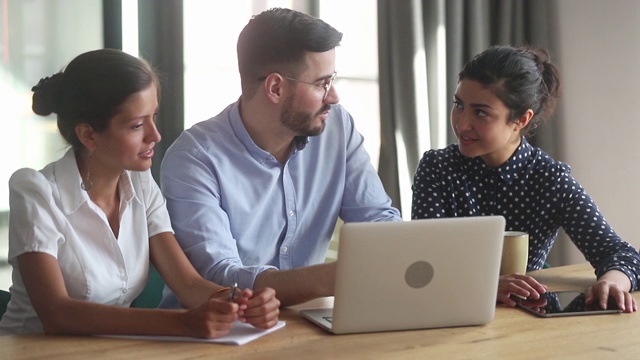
pixel 418 274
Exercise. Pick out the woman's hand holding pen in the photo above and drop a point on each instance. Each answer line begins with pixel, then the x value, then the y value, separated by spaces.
pixel 212 319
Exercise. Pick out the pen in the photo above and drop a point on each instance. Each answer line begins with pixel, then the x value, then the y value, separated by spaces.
pixel 232 291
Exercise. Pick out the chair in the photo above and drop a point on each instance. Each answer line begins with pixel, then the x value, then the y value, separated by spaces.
pixel 149 298
pixel 5 296
pixel 152 293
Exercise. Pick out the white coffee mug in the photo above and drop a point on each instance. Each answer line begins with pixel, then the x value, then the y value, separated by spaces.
pixel 515 253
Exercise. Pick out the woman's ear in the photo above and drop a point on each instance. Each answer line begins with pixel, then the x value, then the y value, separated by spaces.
pixel 86 135
pixel 524 120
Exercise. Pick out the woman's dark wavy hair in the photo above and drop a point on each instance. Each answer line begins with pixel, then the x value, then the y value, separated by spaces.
pixel 91 90
pixel 522 78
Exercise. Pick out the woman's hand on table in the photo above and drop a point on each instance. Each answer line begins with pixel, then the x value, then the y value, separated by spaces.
pixel 612 287
pixel 519 285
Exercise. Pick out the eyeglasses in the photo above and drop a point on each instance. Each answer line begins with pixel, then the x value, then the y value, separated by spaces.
pixel 326 83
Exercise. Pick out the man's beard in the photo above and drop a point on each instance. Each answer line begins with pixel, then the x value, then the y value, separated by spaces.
pixel 298 121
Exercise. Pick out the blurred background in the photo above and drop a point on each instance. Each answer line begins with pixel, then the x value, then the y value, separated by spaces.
pixel 594 43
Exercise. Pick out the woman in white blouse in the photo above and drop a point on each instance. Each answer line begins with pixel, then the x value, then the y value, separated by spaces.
pixel 83 229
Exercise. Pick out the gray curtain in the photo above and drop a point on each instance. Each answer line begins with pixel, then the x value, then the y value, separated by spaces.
pixel 460 29
pixel 161 41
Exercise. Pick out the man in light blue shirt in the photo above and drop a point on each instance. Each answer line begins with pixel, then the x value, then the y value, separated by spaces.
pixel 255 192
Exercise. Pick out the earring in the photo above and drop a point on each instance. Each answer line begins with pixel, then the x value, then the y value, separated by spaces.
pixel 86 183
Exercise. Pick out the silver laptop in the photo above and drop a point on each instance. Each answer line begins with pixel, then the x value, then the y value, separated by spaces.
pixel 415 274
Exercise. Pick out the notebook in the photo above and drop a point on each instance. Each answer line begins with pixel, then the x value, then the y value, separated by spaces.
pixel 417 274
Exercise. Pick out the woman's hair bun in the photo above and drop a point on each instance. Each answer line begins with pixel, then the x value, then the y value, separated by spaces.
pixel 45 95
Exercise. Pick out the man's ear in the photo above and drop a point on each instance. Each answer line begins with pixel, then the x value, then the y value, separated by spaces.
pixel 524 120
pixel 86 135
pixel 275 86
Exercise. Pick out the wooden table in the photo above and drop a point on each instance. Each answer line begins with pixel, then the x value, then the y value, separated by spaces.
pixel 513 334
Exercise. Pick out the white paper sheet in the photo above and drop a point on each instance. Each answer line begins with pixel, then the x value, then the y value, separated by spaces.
pixel 240 334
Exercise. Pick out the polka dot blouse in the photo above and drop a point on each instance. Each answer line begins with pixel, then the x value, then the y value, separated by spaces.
pixel 533 192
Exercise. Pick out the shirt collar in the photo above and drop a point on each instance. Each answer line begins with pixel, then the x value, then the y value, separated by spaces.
pixel 68 180
pixel 260 155
pixel 509 171
pixel 125 186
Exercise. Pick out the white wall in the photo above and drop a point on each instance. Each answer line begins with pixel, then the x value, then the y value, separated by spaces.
pixel 598 52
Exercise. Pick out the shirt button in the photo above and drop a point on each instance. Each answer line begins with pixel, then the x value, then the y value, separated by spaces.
pixel 291 212
pixel 261 161
pixel 285 249
pixel 124 291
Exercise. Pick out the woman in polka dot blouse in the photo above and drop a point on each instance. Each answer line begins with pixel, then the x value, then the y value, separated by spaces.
pixel 502 95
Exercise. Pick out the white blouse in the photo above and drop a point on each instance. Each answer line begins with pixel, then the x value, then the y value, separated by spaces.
pixel 49 213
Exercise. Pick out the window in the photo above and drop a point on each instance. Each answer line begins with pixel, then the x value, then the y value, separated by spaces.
pixel 211 71
pixel 38 38
pixel 357 65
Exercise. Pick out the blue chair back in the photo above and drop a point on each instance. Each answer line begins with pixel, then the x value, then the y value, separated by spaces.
pixel 149 298
pixel 5 296
pixel 152 293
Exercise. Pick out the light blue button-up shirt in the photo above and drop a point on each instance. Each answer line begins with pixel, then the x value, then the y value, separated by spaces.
pixel 237 211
